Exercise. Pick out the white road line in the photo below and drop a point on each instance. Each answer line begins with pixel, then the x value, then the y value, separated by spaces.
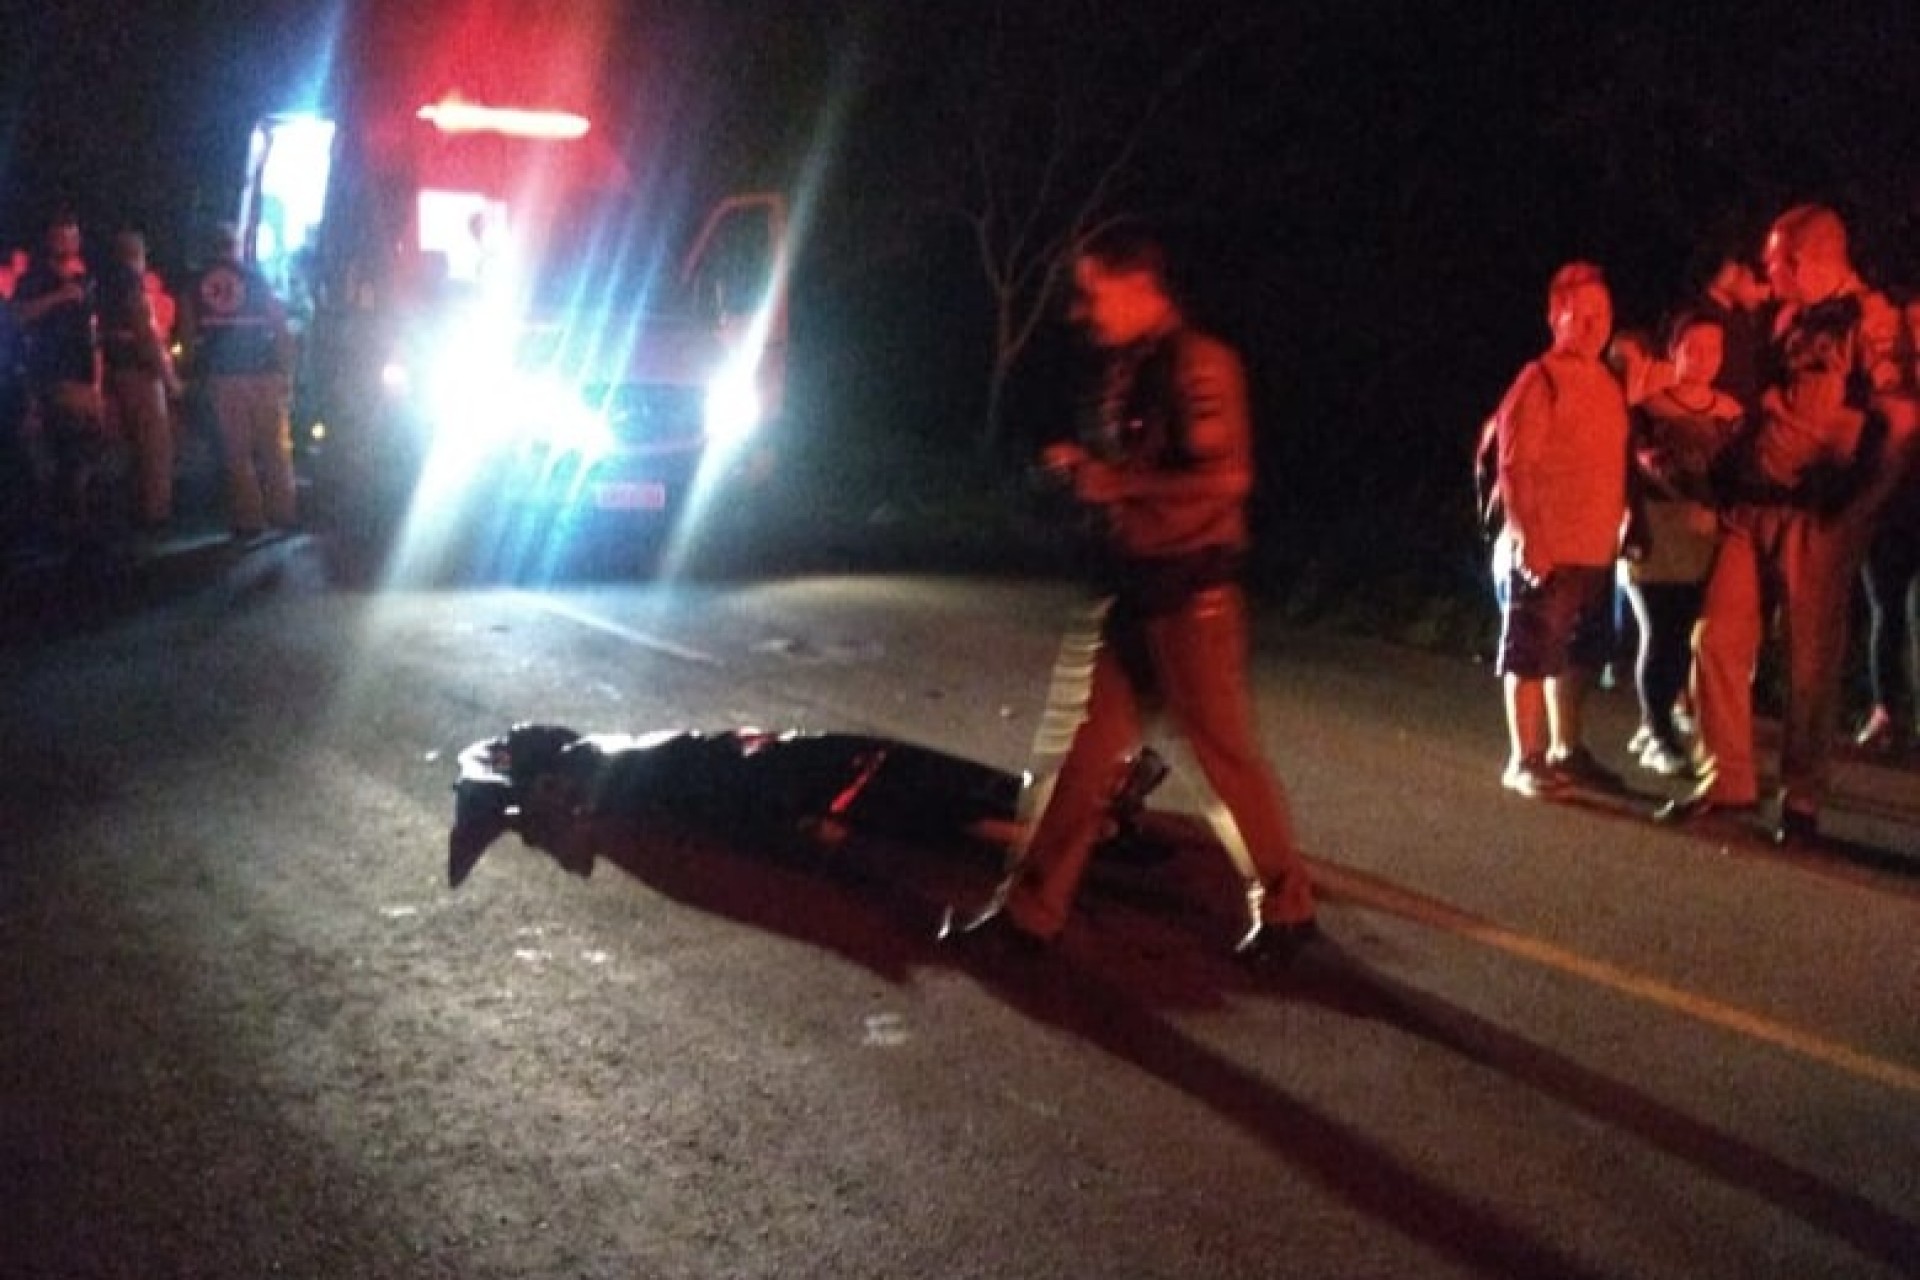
pixel 639 639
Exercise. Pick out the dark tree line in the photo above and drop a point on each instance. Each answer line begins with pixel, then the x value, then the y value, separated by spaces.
pixel 1367 198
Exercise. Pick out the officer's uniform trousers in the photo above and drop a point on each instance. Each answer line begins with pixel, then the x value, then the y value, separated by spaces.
pixel 1192 661
pixel 256 438
pixel 1804 565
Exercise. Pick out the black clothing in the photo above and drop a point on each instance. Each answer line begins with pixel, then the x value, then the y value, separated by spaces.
pixel 127 343
pixel 1747 333
pixel 1892 580
pixel 12 350
pixel 60 344
pixel 1140 417
pixel 1665 613
pixel 234 321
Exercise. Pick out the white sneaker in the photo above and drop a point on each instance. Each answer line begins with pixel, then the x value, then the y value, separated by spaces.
pixel 1532 778
pixel 1658 757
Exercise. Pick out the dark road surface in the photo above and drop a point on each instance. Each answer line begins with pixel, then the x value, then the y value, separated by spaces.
pixel 250 1031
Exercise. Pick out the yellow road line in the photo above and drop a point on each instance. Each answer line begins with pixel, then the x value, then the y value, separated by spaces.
pixel 1391 898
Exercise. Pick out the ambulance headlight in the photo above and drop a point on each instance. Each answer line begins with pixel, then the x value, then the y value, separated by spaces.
pixel 550 409
pixel 513 408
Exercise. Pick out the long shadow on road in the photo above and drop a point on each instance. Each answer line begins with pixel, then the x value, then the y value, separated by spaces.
pixel 1156 950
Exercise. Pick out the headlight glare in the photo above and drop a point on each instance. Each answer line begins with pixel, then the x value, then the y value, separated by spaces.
pixel 732 407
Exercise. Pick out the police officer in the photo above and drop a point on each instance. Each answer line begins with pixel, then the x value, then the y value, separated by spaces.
pixel 139 378
pixel 238 348
pixel 1807 487
pixel 1169 464
pixel 55 306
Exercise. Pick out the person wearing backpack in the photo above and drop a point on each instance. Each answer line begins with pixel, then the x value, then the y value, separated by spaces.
pixel 1562 486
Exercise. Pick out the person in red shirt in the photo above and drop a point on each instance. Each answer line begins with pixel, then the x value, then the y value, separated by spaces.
pixel 1563 482
pixel 1168 463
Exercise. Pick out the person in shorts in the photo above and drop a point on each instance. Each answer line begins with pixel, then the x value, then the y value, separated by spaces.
pixel 1562 479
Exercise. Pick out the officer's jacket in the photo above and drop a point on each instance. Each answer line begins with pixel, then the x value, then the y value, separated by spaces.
pixel 1174 419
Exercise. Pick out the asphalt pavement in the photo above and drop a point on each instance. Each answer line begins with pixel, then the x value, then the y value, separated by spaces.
pixel 252 1030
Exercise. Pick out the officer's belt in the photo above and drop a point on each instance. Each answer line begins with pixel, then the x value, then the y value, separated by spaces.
pixel 1151 585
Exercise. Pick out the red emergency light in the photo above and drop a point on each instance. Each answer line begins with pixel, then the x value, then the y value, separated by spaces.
pixel 454 115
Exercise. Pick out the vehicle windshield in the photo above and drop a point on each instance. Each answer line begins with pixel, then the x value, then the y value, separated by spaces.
pixel 603 253
pixel 588 254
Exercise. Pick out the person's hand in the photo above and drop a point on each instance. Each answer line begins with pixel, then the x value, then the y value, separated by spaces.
pixel 1532 567
pixel 1096 482
pixel 1062 458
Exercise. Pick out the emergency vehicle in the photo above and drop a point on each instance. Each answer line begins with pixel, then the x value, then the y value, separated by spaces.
pixel 492 316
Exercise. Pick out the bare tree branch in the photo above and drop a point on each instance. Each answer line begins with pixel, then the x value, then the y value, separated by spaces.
pixel 1040 190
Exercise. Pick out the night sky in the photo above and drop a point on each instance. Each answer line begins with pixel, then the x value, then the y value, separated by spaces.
pixel 1367 197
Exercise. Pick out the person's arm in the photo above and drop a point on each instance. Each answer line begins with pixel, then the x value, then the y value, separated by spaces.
pixel 1878 355
pixel 98 355
pixel 283 346
pixel 33 310
pixel 153 351
pixel 1703 482
pixel 1878 477
pixel 186 332
pixel 1659 469
pixel 1525 421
